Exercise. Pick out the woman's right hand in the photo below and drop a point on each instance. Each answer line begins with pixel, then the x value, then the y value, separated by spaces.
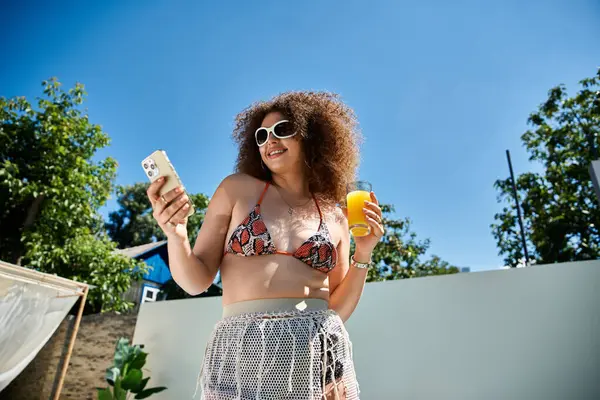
pixel 169 210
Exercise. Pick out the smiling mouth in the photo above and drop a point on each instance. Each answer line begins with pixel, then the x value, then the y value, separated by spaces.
pixel 276 153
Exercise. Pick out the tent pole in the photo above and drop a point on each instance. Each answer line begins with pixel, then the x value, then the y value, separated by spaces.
pixel 63 372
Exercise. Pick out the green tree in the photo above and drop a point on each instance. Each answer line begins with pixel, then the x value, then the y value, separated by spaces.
pixel 92 259
pixel 559 205
pixel 399 254
pixel 51 189
pixel 132 223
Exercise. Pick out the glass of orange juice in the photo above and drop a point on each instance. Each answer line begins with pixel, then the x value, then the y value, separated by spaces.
pixel 357 193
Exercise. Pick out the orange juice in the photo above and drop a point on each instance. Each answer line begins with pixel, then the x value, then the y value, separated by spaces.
pixel 356 217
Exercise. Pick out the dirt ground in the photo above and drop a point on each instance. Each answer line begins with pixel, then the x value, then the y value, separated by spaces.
pixel 93 353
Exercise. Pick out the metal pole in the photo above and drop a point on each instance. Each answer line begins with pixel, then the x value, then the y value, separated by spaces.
pixel 594 171
pixel 514 188
pixel 65 365
pixel 594 168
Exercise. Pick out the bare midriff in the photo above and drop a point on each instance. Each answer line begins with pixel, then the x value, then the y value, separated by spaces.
pixel 268 277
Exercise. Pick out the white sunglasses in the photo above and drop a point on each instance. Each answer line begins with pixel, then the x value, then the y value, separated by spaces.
pixel 281 130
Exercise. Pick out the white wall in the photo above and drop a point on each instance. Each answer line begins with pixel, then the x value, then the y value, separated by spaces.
pixel 528 333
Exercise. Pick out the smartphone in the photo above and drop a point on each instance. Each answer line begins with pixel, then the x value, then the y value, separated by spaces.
pixel 158 165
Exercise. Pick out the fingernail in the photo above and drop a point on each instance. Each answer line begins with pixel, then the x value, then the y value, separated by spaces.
pixel 186 206
pixel 178 189
pixel 183 199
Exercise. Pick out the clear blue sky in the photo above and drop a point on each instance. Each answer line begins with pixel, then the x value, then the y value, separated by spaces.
pixel 441 88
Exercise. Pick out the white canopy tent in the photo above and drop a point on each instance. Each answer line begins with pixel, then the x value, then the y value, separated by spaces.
pixel 32 306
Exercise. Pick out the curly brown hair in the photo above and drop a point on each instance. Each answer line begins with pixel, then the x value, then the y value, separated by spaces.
pixel 327 128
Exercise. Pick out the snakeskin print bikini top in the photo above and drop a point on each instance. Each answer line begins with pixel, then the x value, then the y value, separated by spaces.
pixel 251 238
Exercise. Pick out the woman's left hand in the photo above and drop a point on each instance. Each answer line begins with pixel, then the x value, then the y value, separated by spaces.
pixel 374 217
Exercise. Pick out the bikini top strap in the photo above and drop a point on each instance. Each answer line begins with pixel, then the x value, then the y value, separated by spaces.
pixel 263 193
pixel 318 208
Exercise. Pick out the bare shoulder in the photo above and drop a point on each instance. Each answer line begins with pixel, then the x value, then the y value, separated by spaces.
pixel 240 185
pixel 340 217
pixel 235 179
pixel 233 190
pixel 238 180
pixel 334 215
pixel 339 224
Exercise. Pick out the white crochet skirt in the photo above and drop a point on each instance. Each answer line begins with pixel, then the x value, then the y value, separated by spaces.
pixel 289 350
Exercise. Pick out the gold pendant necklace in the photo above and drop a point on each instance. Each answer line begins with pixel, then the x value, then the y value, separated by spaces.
pixel 290 208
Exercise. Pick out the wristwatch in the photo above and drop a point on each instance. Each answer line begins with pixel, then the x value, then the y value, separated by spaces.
pixel 359 264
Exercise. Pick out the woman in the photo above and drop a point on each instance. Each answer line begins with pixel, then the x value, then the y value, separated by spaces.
pixel 282 246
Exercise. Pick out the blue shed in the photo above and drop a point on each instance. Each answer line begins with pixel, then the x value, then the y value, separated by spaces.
pixel 156 256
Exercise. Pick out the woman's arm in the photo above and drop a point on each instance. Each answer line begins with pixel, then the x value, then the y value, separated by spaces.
pixel 346 282
pixel 195 269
